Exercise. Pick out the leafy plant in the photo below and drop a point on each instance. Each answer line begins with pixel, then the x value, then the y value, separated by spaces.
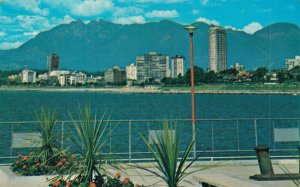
pixel 49 156
pixel 166 153
pixel 50 148
pixel 90 137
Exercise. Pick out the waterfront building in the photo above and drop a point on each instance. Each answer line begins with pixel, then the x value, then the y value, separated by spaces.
pixel 114 75
pixel 291 63
pixel 131 73
pixel 177 66
pixel 217 49
pixel 28 76
pixel 53 62
pixel 95 80
pixel 77 78
pixel 66 77
pixel 152 66
pixel 59 72
pixel 42 77
pixel 238 67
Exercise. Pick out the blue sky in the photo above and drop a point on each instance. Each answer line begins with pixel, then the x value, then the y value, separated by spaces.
pixel 21 20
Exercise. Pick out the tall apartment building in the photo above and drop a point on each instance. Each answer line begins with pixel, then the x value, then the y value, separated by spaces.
pixel 152 66
pixel 291 63
pixel 177 66
pixel 131 73
pixel 217 49
pixel 114 75
pixel 53 62
pixel 28 76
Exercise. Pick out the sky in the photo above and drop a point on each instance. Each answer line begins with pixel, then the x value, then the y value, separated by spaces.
pixel 22 20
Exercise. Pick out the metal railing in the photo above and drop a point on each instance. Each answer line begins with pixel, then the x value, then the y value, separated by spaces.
pixel 232 138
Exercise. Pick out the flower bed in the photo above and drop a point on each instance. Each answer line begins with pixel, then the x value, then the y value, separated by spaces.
pixel 29 165
pixel 104 181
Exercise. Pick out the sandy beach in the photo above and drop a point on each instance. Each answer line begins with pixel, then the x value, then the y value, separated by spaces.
pixel 128 90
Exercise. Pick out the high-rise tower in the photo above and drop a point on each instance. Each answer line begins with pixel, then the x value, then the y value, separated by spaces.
pixel 217 49
pixel 53 62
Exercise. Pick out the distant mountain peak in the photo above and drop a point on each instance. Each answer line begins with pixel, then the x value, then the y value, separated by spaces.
pixel 101 44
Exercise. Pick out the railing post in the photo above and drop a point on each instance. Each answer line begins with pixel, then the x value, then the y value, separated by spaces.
pixel 62 134
pixel 299 157
pixel 194 138
pixel 237 134
pixel 129 141
pixel 212 138
pixel 110 138
pixel 255 128
pixel 12 136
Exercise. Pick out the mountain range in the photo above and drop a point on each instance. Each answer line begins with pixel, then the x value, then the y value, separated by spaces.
pixel 101 44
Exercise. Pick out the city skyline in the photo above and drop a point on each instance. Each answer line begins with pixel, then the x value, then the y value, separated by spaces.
pixel 23 20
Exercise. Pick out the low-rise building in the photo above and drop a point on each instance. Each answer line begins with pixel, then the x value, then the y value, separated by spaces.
pixel 66 77
pixel 42 77
pixel 292 63
pixel 131 73
pixel 114 75
pixel 152 66
pixel 238 67
pixel 95 80
pixel 177 66
pixel 28 76
pixel 77 78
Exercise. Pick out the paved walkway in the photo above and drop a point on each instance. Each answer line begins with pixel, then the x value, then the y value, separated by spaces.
pixel 231 174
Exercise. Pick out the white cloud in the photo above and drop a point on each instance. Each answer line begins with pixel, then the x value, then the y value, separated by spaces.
pixel 33 22
pixel 6 20
pixel 127 11
pixel 207 21
pixel 153 1
pixel 34 33
pixel 232 28
pixel 162 14
pixel 204 2
pixel 10 45
pixel 195 11
pixel 92 7
pixel 252 27
pixel 29 5
pixel 2 33
pixel 130 20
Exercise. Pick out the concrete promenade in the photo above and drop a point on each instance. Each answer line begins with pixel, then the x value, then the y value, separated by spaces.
pixel 229 173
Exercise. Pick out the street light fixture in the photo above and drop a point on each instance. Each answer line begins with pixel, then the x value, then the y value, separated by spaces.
pixel 191 30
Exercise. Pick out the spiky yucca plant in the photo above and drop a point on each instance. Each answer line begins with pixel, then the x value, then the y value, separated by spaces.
pixel 50 145
pixel 90 137
pixel 166 154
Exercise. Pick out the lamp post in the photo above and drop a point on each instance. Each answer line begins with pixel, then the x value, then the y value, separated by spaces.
pixel 191 30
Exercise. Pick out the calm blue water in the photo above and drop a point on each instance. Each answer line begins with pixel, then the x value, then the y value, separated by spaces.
pixel 21 105
pixel 215 138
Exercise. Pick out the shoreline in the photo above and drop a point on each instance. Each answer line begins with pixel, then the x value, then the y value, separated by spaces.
pixel 157 91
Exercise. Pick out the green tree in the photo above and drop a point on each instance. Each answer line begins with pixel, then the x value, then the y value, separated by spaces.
pixel 198 75
pixel 280 76
pixel 259 73
pixel 210 77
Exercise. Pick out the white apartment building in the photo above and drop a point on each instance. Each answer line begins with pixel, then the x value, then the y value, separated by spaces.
pixel 291 63
pixel 77 78
pixel 177 66
pixel 65 77
pixel 28 76
pixel 217 49
pixel 131 73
